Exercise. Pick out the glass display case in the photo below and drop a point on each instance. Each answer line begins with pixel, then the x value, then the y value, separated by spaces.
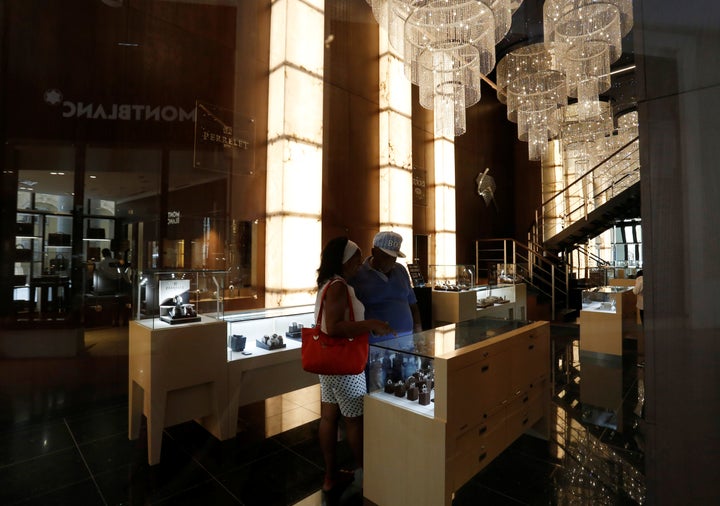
pixel 452 278
pixel 607 315
pixel 492 295
pixel 502 301
pixel 189 369
pixel 179 297
pixel 504 274
pixel 260 331
pixel 461 393
pixel 602 299
pixel 402 369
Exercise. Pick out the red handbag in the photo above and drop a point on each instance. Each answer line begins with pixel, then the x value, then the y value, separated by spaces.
pixel 324 354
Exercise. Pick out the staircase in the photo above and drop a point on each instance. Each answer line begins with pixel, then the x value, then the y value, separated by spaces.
pixel 605 195
pixel 585 208
pixel 624 206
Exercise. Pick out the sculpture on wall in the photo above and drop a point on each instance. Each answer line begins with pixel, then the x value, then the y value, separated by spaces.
pixel 486 187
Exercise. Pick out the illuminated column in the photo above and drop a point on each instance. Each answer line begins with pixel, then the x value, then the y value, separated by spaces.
pixel 553 182
pixel 294 153
pixel 395 146
pixel 445 248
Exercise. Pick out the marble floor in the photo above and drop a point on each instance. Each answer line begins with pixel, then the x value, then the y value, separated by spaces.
pixel 63 440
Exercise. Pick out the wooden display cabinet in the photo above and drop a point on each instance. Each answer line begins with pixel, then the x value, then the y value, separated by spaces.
pixel 514 309
pixel 188 371
pixel 259 373
pixel 491 384
pixel 607 313
pixel 453 307
pixel 177 373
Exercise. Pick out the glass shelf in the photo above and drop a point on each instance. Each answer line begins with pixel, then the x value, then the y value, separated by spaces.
pixel 438 341
pixel 453 278
pixel 179 297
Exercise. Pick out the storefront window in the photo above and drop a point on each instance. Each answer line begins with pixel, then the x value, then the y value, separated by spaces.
pixel 130 141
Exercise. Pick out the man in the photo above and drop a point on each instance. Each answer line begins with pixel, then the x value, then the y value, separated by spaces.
pixel 108 267
pixel 383 286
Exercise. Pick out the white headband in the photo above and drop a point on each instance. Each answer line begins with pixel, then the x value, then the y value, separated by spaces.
pixel 350 249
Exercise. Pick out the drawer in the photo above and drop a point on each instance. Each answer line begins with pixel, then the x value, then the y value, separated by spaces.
pixel 475 449
pixel 460 439
pixel 476 391
pixel 524 411
pixel 530 358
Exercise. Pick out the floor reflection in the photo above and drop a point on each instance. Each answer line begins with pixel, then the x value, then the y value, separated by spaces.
pixel 63 440
pixel 599 406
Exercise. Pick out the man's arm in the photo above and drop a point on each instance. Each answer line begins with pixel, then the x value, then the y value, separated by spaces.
pixel 417 321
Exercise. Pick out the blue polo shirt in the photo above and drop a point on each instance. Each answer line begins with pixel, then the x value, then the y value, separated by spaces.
pixel 386 297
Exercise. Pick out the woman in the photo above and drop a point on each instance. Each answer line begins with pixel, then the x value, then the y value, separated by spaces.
pixel 341 395
pixel 638 290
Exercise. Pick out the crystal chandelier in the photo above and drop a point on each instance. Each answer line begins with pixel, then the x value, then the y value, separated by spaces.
pixel 447 47
pixel 582 39
pixel 585 139
pixel 590 34
pixel 530 83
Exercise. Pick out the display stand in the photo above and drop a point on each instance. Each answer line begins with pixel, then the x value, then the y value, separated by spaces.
pixel 491 385
pixel 260 373
pixel 264 374
pixel 188 371
pixel 514 309
pixel 606 314
pixel 453 307
pixel 177 373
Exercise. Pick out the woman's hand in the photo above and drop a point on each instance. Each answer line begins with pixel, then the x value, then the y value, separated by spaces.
pixel 380 328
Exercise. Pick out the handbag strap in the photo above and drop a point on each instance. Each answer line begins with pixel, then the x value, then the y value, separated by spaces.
pixel 322 301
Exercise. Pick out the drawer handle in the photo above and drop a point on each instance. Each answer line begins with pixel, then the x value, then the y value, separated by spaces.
pixel 482 456
pixel 525 399
pixel 531 347
pixel 482 430
pixel 484 368
pixel 525 421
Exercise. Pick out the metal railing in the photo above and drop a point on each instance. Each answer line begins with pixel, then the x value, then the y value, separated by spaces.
pixel 544 270
pixel 609 178
pixel 530 263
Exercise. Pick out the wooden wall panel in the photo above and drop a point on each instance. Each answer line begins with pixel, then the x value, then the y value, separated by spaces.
pixel 350 147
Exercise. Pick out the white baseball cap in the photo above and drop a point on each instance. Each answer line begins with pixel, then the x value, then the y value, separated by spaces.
pixel 389 242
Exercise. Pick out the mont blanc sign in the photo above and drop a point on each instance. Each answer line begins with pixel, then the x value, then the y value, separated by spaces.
pixel 117 112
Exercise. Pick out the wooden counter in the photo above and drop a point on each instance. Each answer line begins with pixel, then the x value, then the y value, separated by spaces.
pixel 177 373
pixel 264 374
pixel 187 372
pixel 602 329
pixel 486 395
pixel 453 307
